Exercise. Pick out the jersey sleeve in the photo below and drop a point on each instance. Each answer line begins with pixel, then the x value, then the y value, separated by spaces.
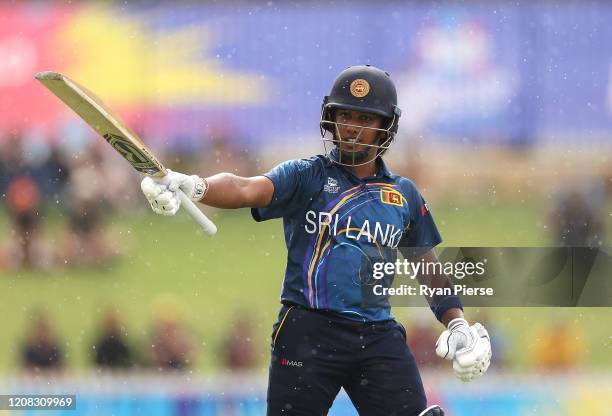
pixel 421 234
pixel 292 180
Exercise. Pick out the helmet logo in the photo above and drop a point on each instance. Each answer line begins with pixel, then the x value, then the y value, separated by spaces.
pixel 360 88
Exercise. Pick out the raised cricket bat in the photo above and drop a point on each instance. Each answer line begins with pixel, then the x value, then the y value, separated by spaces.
pixel 110 126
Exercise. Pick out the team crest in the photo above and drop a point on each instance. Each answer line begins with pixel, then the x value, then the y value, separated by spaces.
pixel 391 197
pixel 360 88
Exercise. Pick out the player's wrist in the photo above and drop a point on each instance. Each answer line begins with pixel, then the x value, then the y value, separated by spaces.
pixel 451 314
pixel 200 188
pixel 456 323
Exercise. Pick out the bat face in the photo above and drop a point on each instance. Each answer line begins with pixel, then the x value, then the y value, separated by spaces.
pixel 104 121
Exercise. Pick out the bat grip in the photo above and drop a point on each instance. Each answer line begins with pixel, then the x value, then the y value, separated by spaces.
pixel 206 224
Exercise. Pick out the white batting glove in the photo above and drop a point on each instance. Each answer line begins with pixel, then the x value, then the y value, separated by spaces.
pixel 468 346
pixel 162 192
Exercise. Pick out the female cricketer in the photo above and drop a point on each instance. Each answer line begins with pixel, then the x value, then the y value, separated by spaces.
pixel 343 212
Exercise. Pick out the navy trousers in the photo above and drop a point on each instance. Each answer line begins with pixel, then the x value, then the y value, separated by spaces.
pixel 315 353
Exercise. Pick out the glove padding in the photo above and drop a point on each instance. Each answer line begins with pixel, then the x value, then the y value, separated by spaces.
pixel 162 192
pixel 468 346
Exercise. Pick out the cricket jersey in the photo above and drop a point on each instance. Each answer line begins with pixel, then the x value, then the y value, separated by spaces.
pixel 337 226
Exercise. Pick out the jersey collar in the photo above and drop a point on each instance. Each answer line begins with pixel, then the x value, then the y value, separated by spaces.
pixel 382 168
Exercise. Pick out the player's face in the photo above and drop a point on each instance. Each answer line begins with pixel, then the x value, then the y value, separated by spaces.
pixel 356 130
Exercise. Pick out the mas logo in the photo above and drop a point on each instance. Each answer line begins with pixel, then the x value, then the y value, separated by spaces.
pixel 360 88
pixel 332 186
pixel 391 197
pixel 290 363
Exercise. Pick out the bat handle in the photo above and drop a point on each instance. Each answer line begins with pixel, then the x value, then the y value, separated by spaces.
pixel 206 224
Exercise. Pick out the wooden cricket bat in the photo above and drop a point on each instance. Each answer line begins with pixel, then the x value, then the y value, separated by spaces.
pixel 110 126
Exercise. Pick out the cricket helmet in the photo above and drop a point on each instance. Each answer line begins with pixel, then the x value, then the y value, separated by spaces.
pixel 366 89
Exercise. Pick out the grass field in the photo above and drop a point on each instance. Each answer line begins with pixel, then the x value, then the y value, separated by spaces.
pixel 238 271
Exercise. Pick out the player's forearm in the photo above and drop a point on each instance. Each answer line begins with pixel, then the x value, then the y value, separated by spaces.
pixel 226 190
pixel 435 280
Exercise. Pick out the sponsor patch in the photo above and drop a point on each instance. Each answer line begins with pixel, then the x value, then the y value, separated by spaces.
pixel 290 363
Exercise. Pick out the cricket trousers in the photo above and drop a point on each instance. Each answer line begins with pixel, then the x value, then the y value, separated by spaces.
pixel 315 353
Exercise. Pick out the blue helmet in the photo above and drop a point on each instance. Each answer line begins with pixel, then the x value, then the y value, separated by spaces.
pixel 367 89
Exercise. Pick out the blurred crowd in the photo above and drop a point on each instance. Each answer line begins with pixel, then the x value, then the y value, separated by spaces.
pixel 85 182
pixel 168 345
pixel 578 214
pixel 171 345
pixel 75 181
pixel 76 185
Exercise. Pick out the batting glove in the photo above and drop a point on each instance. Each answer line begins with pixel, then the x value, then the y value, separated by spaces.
pixel 162 192
pixel 468 346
